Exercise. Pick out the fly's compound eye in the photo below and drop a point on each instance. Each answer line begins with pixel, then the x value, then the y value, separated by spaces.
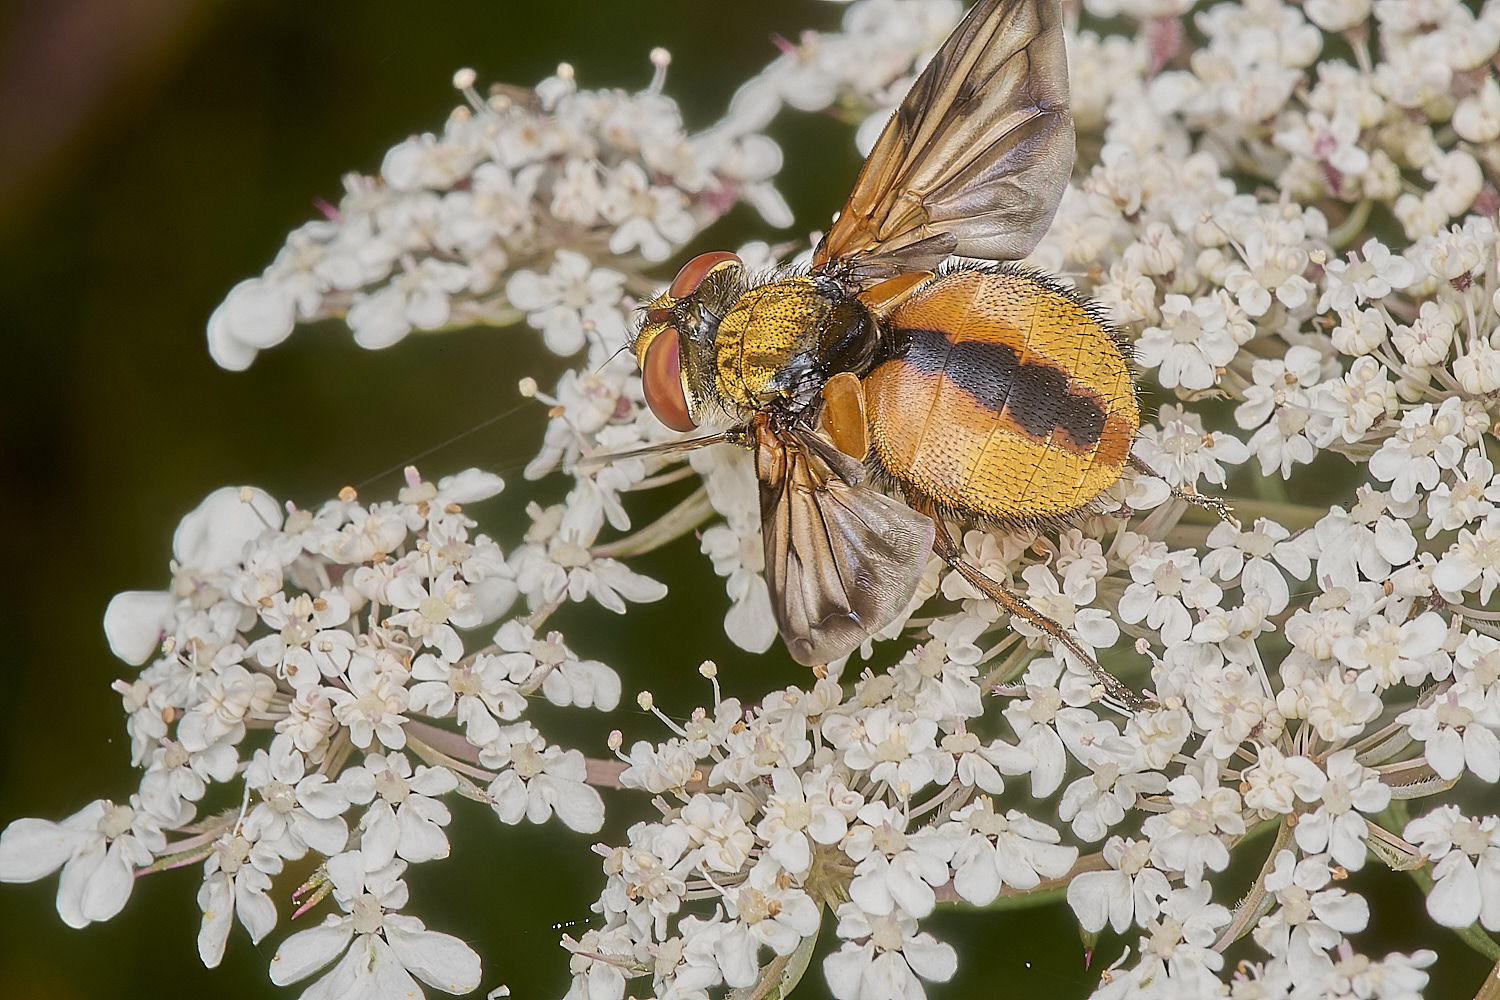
pixel 661 381
pixel 694 271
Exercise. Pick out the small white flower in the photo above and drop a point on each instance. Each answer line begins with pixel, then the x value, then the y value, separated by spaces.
pixel 432 609
pixel 418 298
pixel 1188 838
pixel 1192 344
pixel 372 705
pixel 1013 850
pixel 237 876
pixel 1271 267
pixel 1429 338
pixel 1166 585
pixel 1363 543
pixel 766 911
pixel 1310 918
pixel 559 565
pixel 573 302
pixel 895 872
pixel 228 697
pixel 1395 977
pixel 892 746
pixel 98 849
pixel 1426 445
pixel 1280 394
pixel 1342 789
pixel 1129 893
pixel 404 817
pixel 1390 653
pixel 740 557
pixel 1455 733
pixel 651 217
pixel 1250 557
pixel 1334 16
pixel 382 949
pixel 1466 873
pixel 1471 496
pixel 889 962
pixel 1353 282
pixel 175 779
pixel 1472 562
pixel 1270 784
pixel 541 780
pixel 804 810
pixel 1176 950
pixel 1182 452
pixel 296 811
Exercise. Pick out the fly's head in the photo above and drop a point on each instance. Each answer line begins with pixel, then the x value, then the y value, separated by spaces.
pixel 675 344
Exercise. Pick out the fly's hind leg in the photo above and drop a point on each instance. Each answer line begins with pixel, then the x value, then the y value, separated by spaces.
pixel 1187 494
pixel 944 545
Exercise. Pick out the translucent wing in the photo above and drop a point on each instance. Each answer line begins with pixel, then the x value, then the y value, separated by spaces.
pixel 975 159
pixel 842 560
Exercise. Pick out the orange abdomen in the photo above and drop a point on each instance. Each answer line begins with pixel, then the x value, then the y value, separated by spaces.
pixel 1004 398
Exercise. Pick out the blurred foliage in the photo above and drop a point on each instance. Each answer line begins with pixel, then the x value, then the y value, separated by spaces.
pixel 114 423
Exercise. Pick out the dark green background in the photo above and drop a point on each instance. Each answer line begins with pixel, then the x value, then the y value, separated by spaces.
pixel 203 130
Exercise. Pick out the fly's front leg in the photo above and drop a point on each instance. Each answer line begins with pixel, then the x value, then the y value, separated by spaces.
pixel 944 545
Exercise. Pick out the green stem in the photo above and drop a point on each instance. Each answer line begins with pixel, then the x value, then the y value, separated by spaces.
pixel 1049 890
pixel 440 748
pixel 693 512
pixel 1256 903
pixel 1351 227
pixel 1491 988
pixel 780 975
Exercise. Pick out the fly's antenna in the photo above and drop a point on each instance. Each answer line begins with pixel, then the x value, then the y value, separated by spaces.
pixel 605 363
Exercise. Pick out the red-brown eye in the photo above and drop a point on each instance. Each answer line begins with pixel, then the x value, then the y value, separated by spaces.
pixel 661 382
pixel 695 270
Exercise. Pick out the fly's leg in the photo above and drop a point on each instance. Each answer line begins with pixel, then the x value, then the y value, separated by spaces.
pixel 1187 494
pixel 944 545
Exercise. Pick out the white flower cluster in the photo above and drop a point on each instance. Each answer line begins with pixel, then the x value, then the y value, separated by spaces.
pixel 337 635
pixel 456 227
pixel 1377 353
pixel 1309 239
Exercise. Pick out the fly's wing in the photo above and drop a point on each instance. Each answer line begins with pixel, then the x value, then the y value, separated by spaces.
pixel 842 560
pixel 975 159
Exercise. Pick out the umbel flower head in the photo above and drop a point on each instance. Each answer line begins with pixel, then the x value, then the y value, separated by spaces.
pixel 1289 209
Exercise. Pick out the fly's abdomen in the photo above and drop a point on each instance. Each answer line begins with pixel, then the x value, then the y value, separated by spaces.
pixel 1005 398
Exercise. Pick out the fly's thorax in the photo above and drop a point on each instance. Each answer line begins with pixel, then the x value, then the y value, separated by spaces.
pixel 780 341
